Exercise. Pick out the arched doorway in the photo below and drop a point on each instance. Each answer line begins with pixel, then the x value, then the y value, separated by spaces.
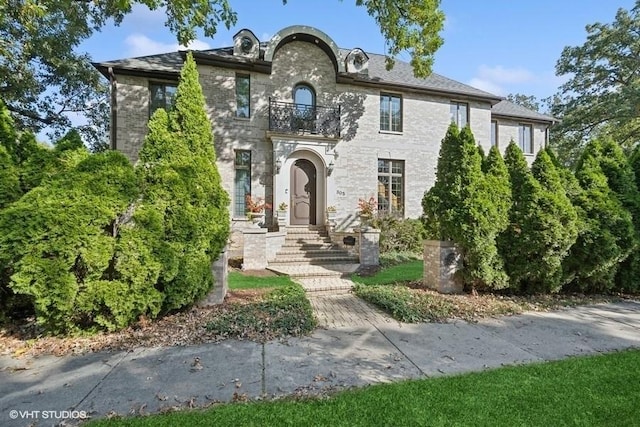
pixel 303 193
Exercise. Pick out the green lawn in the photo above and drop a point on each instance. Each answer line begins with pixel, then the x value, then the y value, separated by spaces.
pixel 405 272
pixel 240 281
pixel 591 391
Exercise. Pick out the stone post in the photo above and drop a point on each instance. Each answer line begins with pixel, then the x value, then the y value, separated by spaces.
pixel 254 249
pixel 441 262
pixel 219 271
pixel 369 247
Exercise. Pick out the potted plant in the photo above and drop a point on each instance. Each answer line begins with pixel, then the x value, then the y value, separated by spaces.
pixel 366 210
pixel 255 209
pixel 281 214
pixel 331 213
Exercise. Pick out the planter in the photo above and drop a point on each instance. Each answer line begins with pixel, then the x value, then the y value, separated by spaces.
pixel 281 216
pixel 256 218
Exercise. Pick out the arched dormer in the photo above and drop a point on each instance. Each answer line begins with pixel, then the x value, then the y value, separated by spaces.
pixel 357 61
pixel 308 34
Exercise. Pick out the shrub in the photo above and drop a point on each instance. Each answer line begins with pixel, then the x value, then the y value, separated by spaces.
pixel 285 311
pixel 399 235
pixel 68 248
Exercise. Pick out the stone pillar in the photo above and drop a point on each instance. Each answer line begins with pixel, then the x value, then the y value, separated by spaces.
pixel 219 271
pixel 254 249
pixel 441 263
pixel 369 247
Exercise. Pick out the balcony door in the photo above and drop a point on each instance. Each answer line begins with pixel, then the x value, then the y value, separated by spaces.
pixel 304 98
pixel 303 193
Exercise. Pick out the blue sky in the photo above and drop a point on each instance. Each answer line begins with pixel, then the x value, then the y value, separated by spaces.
pixel 502 46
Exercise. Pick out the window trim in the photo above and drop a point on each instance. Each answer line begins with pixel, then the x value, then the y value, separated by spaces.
pixel 467 107
pixel 248 77
pixel 521 142
pixel 237 167
pixel 164 85
pixel 392 95
pixel 391 175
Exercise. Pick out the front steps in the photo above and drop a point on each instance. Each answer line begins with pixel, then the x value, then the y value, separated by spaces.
pixel 309 257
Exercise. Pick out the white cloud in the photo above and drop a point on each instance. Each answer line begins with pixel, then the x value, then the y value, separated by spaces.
pixel 141 45
pixel 493 79
pixel 487 86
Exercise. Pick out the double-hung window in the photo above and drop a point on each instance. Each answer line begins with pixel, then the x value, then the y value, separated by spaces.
pixel 243 95
pixel 525 138
pixel 242 182
pixel 161 95
pixel 459 112
pixel 391 185
pixel 390 112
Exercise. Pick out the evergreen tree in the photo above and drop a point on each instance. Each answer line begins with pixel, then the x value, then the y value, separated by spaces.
pixel 535 242
pixel 608 236
pixel 460 204
pixel 9 180
pixel 183 186
pixel 560 219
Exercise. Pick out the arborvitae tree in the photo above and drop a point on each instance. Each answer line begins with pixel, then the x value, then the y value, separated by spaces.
pixel 608 236
pixel 622 181
pixel 461 205
pixel 182 184
pixel 560 219
pixel 439 201
pixel 535 242
pixel 66 246
pixel 483 156
pixel 498 186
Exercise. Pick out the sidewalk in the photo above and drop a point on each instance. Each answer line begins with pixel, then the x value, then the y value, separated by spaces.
pixel 150 380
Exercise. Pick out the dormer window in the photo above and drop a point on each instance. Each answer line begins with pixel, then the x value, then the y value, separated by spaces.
pixel 246 44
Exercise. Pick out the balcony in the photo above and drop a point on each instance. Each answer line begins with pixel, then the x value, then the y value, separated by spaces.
pixel 285 117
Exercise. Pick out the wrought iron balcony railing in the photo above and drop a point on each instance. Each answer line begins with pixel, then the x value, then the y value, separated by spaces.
pixel 304 119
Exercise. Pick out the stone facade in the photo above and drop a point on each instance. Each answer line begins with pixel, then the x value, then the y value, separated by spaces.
pixel 314 59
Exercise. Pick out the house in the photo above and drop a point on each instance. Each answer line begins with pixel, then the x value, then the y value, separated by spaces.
pixel 301 121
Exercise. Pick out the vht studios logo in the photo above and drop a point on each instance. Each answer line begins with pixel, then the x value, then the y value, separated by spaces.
pixel 44 415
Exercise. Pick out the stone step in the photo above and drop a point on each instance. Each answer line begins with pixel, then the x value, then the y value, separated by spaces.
pixel 320 260
pixel 295 250
pixel 310 271
pixel 318 286
pixel 305 242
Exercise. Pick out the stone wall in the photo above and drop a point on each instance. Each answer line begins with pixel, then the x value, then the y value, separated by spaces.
pixel 355 154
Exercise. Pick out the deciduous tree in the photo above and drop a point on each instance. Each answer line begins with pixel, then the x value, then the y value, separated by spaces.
pixel 601 97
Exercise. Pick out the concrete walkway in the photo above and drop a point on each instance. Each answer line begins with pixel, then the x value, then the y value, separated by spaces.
pixel 149 380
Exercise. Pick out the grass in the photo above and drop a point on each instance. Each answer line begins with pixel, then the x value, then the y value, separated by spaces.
pixel 405 272
pixel 596 391
pixel 238 280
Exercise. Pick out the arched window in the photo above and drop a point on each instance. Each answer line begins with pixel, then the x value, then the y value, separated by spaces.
pixel 304 94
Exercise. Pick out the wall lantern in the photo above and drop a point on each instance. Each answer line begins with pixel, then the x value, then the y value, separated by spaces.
pixel 278 165
pixel 330 167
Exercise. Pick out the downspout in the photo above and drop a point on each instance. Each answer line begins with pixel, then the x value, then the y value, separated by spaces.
pixel 114 109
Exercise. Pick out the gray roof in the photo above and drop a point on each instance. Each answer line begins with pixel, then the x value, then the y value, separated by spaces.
pixel 510 109
pixel 401 74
